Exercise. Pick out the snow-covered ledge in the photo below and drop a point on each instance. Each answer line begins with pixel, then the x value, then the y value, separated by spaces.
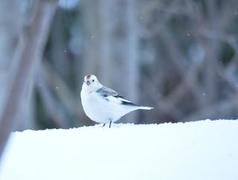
pixel 204 150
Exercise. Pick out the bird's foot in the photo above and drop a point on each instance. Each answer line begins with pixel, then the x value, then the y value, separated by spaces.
pixel 110 124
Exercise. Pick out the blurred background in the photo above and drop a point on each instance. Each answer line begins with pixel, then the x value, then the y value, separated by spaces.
pixel 179 56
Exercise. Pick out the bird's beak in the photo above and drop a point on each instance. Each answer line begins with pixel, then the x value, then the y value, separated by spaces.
pixel 88 83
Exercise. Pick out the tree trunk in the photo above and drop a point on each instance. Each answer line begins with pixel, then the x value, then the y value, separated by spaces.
pixel 28 53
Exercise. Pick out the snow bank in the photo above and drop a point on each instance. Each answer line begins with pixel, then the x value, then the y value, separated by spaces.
pixel 205 150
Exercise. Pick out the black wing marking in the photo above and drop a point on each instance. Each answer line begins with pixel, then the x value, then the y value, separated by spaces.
pixel 118 96
pixel 124 101
pixel 128 103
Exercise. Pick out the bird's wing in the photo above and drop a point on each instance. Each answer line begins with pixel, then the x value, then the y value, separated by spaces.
pixel 113 96
pixel 105 92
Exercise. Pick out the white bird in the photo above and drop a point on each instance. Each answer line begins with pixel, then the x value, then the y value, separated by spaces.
pixel 102 104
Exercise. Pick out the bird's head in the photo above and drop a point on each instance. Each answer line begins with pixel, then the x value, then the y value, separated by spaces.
pixel 91 83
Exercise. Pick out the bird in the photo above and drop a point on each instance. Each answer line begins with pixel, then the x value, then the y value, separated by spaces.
pixel 102 104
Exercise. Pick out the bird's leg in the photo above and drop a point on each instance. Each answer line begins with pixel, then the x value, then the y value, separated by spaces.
pixel 103 124
pixel 110 124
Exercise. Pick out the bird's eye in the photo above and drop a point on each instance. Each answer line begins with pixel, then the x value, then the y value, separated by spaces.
pixel 93 80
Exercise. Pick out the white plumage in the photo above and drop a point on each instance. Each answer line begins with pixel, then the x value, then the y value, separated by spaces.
pixel 102 104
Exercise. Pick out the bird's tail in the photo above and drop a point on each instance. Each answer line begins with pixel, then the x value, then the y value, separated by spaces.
pixel 145 107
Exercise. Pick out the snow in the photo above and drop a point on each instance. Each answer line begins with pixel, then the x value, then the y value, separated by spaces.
pixel 204 150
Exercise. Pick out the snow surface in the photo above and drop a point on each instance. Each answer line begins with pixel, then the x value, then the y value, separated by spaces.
pixel 205 150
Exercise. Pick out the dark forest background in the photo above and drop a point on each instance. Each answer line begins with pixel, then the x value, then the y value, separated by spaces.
pixel 179 56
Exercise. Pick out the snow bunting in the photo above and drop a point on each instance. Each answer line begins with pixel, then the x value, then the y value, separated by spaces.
pixel 102 104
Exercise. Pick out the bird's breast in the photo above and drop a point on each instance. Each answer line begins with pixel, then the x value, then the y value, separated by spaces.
pixel 95 107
